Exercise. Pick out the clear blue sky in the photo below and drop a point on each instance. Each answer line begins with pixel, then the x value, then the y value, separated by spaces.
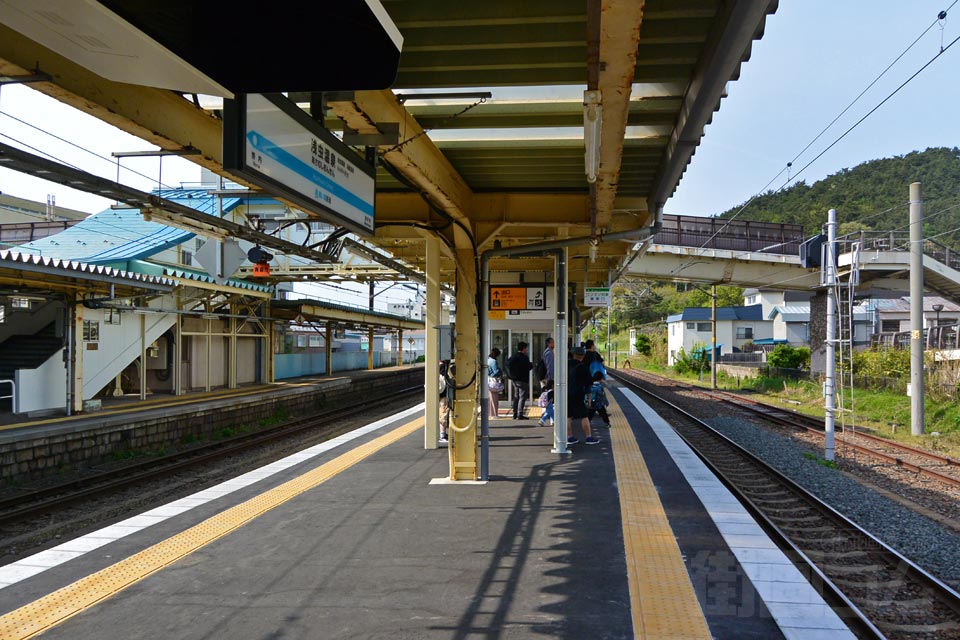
pixel 815 57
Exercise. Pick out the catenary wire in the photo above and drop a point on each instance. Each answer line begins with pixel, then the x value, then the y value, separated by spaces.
pixel 794 177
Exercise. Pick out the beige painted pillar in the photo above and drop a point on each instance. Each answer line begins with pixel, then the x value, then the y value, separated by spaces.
pixel 268 351
pixel 370 348
pixel 232 345
pixel 209 339
pixel 77 355
pixel 463 427
pixel 431 374
pixel 143 356
pixel 328 348
pixel 400 348
pixel 178 355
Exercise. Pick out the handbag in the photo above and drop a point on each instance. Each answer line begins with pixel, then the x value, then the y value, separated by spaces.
pixel 495 384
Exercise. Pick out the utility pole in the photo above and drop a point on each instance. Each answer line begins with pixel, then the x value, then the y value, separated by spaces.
pixel 916 310
pixel 714 356
pixel 609 309
pixel 830 281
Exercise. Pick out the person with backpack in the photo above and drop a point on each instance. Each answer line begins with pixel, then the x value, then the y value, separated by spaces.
pixel 545 366
pixel 546 401
pixel 578 386
pixel 598 399
pixel 494 381
pixel 518 369
pixel 445 388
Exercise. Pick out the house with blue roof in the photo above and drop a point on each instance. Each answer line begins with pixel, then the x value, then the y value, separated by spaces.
pixel 737 327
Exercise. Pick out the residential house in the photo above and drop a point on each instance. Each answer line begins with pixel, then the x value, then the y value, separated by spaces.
pixel 737 327
pixel 891 320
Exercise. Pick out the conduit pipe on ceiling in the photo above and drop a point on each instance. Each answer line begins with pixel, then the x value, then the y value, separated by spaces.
pixel 560 362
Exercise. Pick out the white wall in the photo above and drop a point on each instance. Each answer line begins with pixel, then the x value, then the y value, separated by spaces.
pixel 118 346
pixel 797 333
pixel 42 388
pixel 246 360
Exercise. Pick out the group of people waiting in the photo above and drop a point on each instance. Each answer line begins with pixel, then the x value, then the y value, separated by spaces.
pixel 585 392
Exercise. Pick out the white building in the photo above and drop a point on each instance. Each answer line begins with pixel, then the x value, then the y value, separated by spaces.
pixel 736 327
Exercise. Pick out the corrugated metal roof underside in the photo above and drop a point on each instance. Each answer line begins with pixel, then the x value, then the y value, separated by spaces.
pixel 322 304
pixel 541 43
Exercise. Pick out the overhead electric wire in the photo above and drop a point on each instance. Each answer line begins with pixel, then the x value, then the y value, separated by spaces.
pixel 84 149
pixel 867 88
pixel 869 113
pixel 836 141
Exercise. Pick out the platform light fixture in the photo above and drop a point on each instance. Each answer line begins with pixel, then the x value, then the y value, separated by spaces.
pixel 592 123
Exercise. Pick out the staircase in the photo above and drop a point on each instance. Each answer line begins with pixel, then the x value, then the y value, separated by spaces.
pixel 27 352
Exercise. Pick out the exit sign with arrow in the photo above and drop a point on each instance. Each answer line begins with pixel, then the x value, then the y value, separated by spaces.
pixel 518 298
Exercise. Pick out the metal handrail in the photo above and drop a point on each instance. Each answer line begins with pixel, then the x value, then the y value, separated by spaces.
pixel 13 394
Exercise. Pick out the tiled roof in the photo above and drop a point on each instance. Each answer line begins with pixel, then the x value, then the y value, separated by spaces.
pixel 902 304
pixel 122 234
pixel 702 314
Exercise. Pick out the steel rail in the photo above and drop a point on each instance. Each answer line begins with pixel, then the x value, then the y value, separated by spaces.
pixel 797 420
pixel 40 501
pixel 941 591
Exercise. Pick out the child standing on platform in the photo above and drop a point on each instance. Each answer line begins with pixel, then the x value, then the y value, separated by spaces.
pixel 546 401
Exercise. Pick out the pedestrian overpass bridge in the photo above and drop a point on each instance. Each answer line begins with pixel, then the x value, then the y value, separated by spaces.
pixel 768 255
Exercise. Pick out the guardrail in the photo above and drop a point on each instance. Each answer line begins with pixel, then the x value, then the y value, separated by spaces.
pixel 13 394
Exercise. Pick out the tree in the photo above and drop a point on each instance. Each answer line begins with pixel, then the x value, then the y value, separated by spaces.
pixel 643 344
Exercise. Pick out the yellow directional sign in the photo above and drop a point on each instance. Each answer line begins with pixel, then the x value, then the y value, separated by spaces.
pixel 518 298
pixel 508 298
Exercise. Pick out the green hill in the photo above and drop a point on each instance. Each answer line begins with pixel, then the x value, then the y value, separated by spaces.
pixel 872 196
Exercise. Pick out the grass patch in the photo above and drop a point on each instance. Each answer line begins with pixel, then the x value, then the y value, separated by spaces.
pixel 275 418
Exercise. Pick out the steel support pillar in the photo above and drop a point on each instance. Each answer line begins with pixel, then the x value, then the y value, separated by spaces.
pixel 328 349
pixel 431 375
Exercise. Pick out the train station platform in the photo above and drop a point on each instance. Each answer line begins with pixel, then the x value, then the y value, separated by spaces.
pixel 354 538
pixel 35 448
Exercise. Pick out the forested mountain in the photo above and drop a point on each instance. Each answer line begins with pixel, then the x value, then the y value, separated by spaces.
pixel 873 196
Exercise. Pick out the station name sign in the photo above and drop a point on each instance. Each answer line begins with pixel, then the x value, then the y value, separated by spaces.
pixel 518 298
pixel 596 296
pixel 274 144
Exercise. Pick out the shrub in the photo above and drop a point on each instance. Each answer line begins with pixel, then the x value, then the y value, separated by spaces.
pixel 786 357
pixel 691 362
pixel 882 362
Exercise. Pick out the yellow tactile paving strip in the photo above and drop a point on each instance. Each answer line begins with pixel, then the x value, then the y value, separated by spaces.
pixel 662 601
pixel 52 609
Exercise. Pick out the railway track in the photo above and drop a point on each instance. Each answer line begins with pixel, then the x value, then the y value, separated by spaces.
pixel 36 503
pixel 928 464
pixel 879 592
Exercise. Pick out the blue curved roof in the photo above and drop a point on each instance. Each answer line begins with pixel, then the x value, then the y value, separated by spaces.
pixel 123 234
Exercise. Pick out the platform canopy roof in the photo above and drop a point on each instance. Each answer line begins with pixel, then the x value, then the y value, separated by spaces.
pixel 482 172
